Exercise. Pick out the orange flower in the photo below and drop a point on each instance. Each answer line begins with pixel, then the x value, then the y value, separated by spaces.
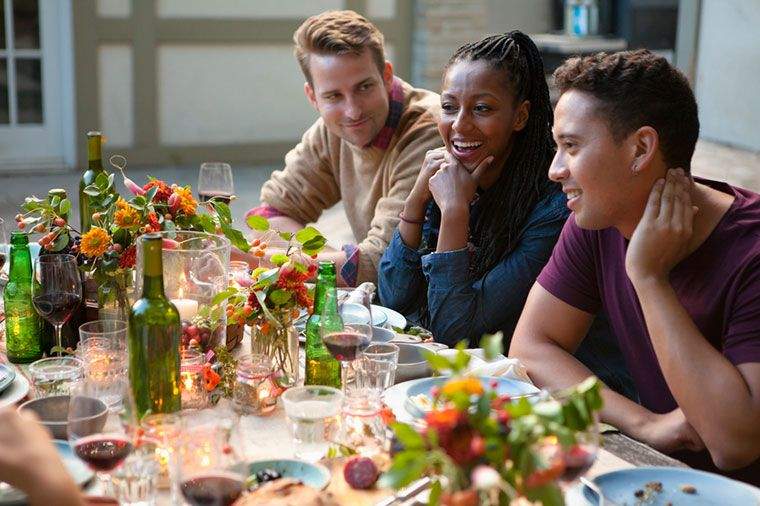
pixel 468 385
pixel 162 194
pixel 121 203
pixel 126 217
pixel 184 201
pixel 95 242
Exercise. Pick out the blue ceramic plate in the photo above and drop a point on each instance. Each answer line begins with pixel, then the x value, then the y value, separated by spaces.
pixel 76 468
pixel 7 375
pixel 313 475
pixel 711 489
pixel 419 398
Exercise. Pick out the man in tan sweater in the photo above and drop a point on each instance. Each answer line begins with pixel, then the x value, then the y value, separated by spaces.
pixel 366 148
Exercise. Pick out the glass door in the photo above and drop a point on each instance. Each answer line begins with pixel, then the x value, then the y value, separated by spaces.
pixel 30 84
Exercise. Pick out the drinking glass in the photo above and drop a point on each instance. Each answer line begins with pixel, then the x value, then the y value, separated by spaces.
pixel 101 436
pixel 347 336
pixel 191 383
pixel 215 182
pixel 56 290
pixel 55 375
pixel 103 350
pixel 312 413
pixel 209 469
pixel 377 367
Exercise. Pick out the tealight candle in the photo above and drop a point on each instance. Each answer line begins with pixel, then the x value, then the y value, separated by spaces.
pixel 192 389
pixel 187 308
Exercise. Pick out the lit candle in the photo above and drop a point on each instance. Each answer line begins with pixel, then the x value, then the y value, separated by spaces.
pixel 187 307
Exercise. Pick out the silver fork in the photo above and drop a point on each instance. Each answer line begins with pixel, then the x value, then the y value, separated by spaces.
pixel 603 501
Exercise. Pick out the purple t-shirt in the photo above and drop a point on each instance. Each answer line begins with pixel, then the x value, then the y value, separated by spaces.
pixel 718 284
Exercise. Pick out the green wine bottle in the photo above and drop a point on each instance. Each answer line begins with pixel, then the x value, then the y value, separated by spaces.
pixel 23 326
pixel 321 367
pixel 94 168
pixel 154 333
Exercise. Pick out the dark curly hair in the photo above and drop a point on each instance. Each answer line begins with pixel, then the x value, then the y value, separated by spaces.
pixel 506 205
pixel 635 89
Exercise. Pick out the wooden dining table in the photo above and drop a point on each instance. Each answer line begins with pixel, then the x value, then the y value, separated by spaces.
pixel 267 437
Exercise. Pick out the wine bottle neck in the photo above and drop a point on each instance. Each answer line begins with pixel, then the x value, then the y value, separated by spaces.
pixel 94 155
pixel 20 268
pixel 325 283
pixel 153 275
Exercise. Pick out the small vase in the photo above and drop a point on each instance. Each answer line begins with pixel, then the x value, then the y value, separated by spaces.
pixel 115 297
pixel 278 340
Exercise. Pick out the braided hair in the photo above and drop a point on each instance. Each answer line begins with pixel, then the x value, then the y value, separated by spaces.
pixel 505 206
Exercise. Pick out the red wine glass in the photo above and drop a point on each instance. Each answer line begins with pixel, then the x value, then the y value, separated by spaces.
pixel 101 435
pixel 56 290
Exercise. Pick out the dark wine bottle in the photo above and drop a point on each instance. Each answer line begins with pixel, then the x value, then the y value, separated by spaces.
pixel 94 168
pixel 154 335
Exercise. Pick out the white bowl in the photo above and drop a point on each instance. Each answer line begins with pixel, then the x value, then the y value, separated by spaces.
pixel 356 313
pixel 411 362
pixel 381 334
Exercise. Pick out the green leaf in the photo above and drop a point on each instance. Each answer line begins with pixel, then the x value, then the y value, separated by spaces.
pixel 236 237
pixel 306 234
pixel 55 201
pixel 548 495
pixel 314 245
pixel 279 296
pixel 492 345
pixel 65 206
pixel 435 493
pixel 257 223
pixel 61 241
pixel 91 191
pixel 110 179
pixel 279 259
pixel 407 467
pixel 267 278
pixel 222 296
pixel 286 235
pixel 437 362
pixel 169 226
pixel 150 194
pixel 101 181
pixel 206 222
pixel 408 436
pixel 223 211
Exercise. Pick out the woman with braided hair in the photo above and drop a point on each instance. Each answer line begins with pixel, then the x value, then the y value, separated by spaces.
pixel 483 217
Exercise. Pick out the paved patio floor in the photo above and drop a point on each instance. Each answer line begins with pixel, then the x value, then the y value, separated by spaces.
pixel 711 160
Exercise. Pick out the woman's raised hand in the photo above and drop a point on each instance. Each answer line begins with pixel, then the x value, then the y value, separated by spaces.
pixel 453 186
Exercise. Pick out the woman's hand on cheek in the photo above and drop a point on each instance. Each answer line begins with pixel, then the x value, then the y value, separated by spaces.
pixel 453 186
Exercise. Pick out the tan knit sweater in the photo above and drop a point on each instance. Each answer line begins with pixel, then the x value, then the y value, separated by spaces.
pixel 373 183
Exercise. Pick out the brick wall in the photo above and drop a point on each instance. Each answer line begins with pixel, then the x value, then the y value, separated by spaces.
pixel 441 26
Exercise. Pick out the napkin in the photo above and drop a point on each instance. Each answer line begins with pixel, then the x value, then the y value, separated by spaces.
pixel 499 366
pixel 355 295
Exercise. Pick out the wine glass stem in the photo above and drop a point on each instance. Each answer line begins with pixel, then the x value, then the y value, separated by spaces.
pixel 58 343
pixel 344 375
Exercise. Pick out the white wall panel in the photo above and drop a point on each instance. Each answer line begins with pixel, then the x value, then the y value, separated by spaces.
pixel 115 94
pixel 114 8
pixel 244 8
pixel 381 9
pixel 230 94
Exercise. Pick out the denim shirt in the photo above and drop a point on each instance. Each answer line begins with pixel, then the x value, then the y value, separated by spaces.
pixel 459 307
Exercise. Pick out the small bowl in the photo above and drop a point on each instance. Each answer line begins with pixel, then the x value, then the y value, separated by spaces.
pixel 351 312
pixel 314 475
pixel 381 334
pixel 411 362
pixel 53 413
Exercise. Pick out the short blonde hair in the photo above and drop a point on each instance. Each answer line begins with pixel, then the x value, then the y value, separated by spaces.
pixel 337 33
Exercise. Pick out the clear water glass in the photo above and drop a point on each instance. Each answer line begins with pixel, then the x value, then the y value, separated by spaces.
pixel 377 367
pixel 312 412
pixel 103 349
pixel 135 482
pixel 55 375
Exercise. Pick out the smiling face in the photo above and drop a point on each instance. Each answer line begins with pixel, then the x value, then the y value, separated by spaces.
pixel 479 116
pixel 604 187
pixel 350 94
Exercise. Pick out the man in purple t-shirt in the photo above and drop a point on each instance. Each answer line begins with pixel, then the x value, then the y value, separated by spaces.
pixel 674 261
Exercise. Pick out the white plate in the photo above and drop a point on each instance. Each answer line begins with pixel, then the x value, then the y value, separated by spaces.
pixel 395 319
pixel 15 392
pixel 396 396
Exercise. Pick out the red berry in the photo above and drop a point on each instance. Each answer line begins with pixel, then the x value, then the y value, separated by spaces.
pixel 59 222
pixel 40 227
pixel 360 473
pixel 21 225
pixel 19 217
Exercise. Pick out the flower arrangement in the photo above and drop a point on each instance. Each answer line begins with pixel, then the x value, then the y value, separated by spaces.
pixel 482 448
pixel 108 250
pixel 271 298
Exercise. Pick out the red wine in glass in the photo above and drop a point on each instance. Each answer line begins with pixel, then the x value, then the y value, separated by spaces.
pixel 103 452
pixel 578 459
pixel 346 345
pixel 56 308
pixel 213 489
pixel 206 195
